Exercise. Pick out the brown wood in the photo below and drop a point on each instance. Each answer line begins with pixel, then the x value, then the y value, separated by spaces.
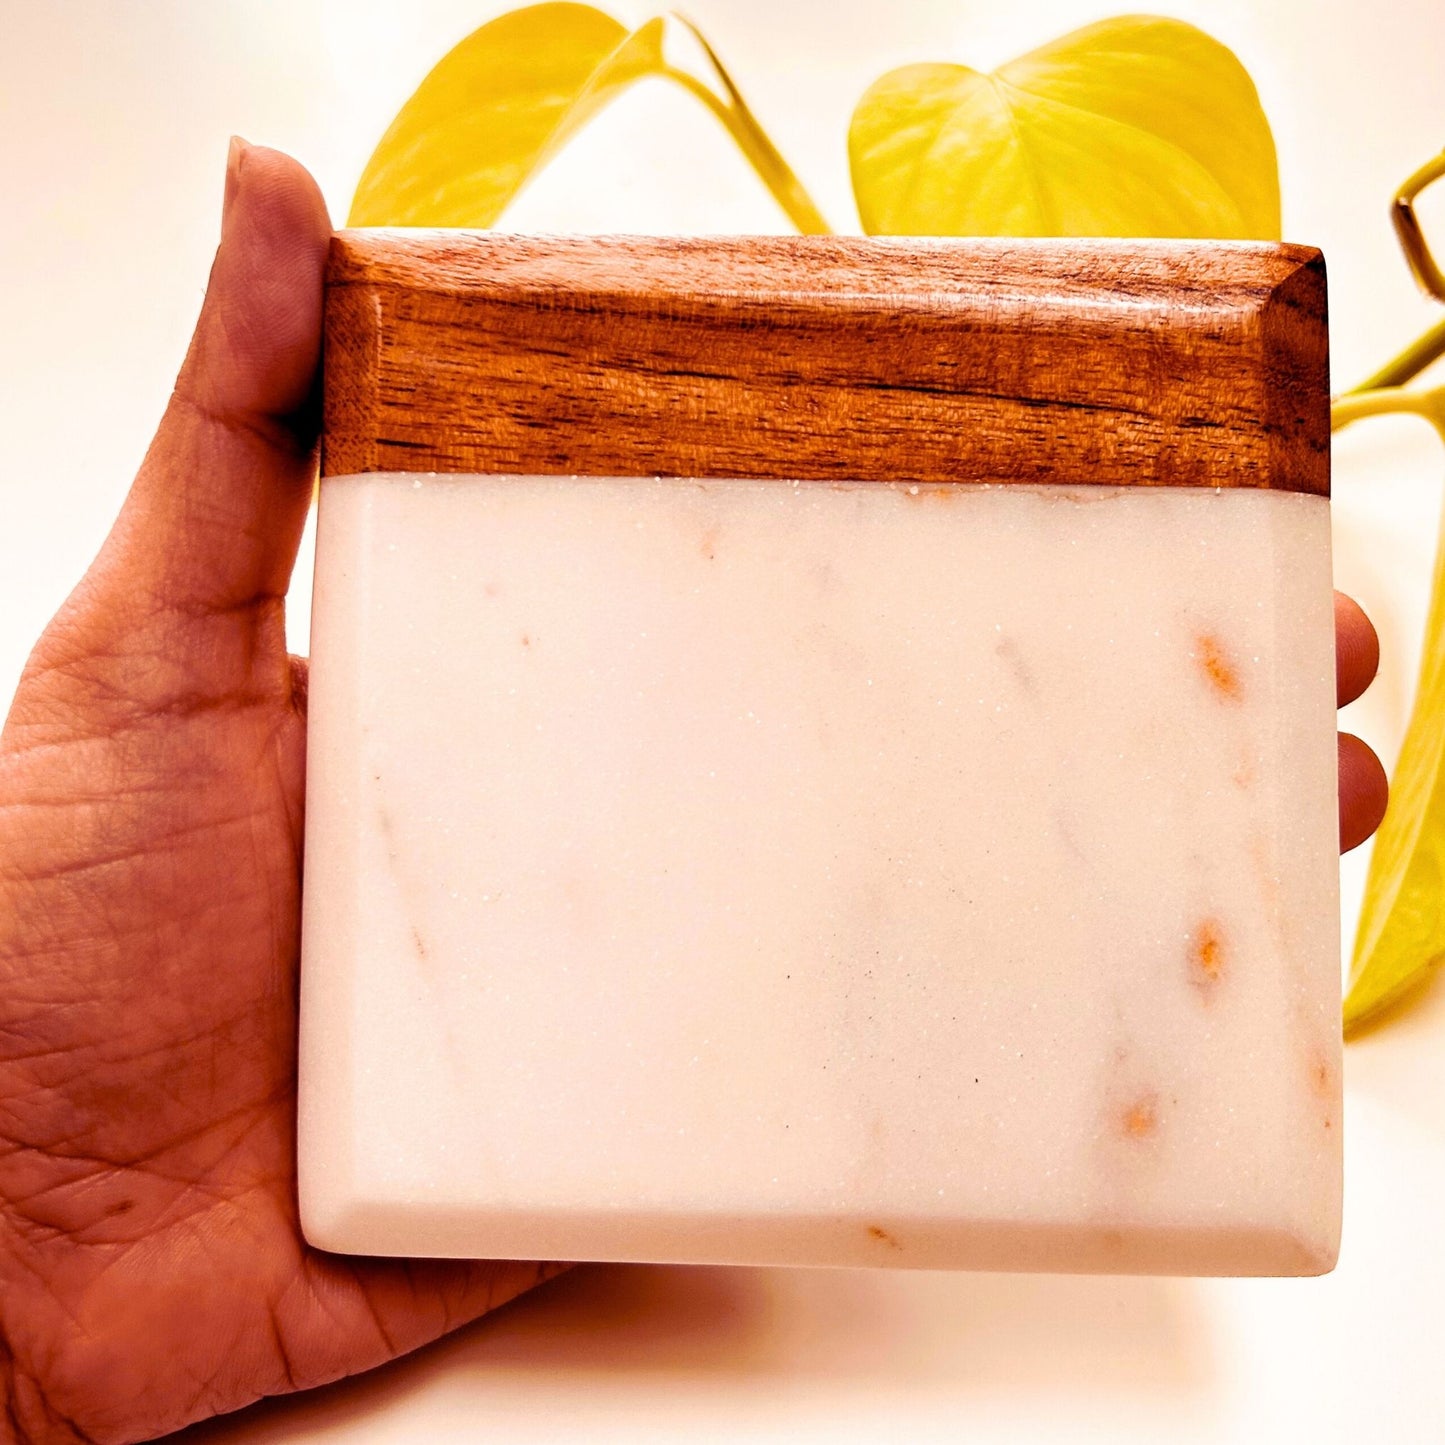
pixel 1145 363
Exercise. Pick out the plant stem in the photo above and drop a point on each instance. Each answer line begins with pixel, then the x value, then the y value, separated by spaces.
pixel 1407 228
pixel 1408 364
pixel 751 138
pixel 1388 401
pixel 1431 346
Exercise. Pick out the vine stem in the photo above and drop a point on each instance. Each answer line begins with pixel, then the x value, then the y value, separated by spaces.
pixel 751 138
pixel 1407 228
pixel 1431 346
pixel 1388 401
pixel 1408 364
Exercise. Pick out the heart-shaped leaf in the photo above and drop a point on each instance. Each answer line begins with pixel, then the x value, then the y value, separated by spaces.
pixel 1401 933
pixel 494 109
pixel 500 104
pixel 1137 126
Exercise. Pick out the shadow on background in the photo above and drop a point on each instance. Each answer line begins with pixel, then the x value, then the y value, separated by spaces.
pixel 960 1337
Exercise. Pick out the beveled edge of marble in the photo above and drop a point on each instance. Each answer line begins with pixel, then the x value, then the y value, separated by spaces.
pixel 418 1229
pixel 1146 363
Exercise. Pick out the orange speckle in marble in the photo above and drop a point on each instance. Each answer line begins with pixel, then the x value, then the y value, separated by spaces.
pixel 1207 955
pixel 1262 858
pixel 877 1232
pixel 526 639
pixel 1141 1118
pixel 1218 668
pixel 1006 649
pixel 1321 1073
pixel 708 546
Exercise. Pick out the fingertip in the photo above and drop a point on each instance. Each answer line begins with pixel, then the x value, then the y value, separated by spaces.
pixel 1364 791
pixel 1357 649
pixel 258 343
pixel 281 194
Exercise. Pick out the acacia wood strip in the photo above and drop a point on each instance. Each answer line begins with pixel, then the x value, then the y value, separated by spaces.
pixel 835 358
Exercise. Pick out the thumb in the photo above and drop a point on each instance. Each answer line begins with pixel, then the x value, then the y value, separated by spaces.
pixel 214 518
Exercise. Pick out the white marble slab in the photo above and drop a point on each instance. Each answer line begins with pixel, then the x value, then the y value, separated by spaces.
pixel 764 873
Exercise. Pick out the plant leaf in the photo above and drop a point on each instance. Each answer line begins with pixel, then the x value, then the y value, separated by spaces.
pixel 494 109
pixel 1401 933
pixel 1137 126
pixel 497 107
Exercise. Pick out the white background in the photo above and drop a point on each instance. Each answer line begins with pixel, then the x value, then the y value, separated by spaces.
pixel 113 126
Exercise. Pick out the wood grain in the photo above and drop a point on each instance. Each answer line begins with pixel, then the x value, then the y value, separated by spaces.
pixel 1143 363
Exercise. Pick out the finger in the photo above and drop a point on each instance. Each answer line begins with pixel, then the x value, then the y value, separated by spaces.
pixel 1357 650
pixel 1363 792
pixel 300 683
pixel 214 519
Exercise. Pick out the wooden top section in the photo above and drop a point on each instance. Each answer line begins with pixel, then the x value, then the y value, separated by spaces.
pixel 836 358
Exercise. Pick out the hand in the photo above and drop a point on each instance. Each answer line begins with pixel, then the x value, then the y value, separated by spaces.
pixel 152 1271
pixel 151 778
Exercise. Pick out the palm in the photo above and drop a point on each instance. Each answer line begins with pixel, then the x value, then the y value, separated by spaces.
pixel 151 791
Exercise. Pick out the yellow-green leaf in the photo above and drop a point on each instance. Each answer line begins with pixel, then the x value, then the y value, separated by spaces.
pixel 498 106
pixel 1401 933
pixel 1137 126
pixel 494 109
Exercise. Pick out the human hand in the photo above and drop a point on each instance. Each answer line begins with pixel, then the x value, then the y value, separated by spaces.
pixel 152 1270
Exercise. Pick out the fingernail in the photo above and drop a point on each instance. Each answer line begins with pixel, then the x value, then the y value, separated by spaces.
pixel 234 156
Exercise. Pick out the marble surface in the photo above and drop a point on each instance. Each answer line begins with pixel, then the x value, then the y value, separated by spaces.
pixel 736 872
